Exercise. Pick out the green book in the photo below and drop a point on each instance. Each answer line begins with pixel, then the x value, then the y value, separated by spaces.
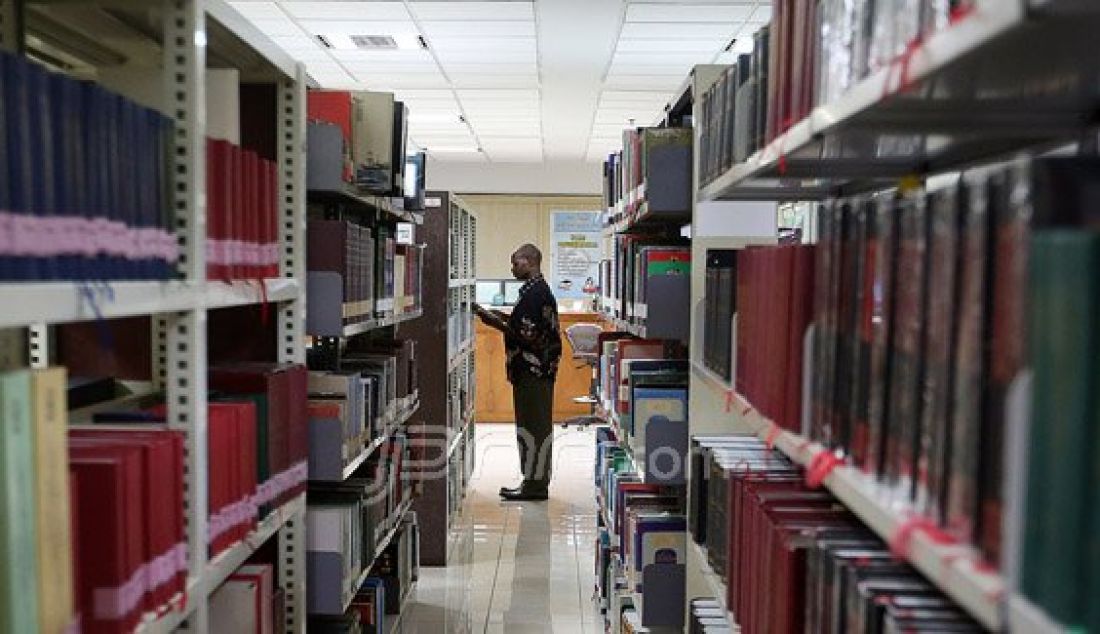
pixel 1064 336
pixel 18 549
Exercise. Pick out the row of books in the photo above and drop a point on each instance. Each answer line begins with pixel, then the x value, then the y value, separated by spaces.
pixel 922 328
pixel 641 548
pixel 719 307
pixel 347 521
pixel 357 273
pixel 356 405
pixel 249 602
pixel 86 192
pixel 647 381
pixel 645 267
pixel 775 290
pixel 795 559
pixel 708 616
pixel 810 54
pixel 735 119
pixel 383 592
pixel 849 40
pixel 651 177
pixel 242 213
pixel 374 133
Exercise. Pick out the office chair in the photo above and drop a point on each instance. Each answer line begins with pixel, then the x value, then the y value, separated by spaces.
pixel 584 339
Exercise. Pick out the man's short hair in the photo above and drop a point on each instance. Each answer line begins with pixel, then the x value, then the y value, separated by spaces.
pixel 530 252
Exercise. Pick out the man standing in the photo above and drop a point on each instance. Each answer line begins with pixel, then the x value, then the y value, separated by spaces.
pixel 533 346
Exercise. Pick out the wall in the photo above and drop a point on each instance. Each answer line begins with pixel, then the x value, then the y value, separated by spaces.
pixel 547 177
pixel 505 222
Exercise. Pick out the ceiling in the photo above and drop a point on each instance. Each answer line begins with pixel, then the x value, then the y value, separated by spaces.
pixel 506 81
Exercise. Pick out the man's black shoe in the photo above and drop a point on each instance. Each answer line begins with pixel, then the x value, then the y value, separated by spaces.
pixel 509 491
pixel 523 496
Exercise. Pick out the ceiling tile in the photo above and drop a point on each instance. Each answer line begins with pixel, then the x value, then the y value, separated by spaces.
pixel 406 55
pixel 473 10
pixel 463 157
pixel 486 80
pixel 483 28
pixel 632 96
pixel 491 45
pixel 675 31
pixel 689 45
pixel 293 43
pixel 679 70
pixel 763 13
pixel 360 27
pixel 347 10
pixel 506 67
pixel 391 69
pixel 709 13
pixel 498 96
pixel 671 82
pixel 278 26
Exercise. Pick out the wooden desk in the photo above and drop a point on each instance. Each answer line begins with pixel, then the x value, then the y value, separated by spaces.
pixel 494 394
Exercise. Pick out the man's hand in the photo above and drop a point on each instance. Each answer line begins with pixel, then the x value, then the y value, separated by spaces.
pixel 491 319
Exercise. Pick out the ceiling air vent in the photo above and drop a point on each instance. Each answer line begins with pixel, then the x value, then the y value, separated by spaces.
pixel 374 42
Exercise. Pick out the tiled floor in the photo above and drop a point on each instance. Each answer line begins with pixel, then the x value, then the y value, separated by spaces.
pixel 519 566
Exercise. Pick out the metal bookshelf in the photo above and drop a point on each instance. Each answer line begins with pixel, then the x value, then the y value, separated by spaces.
pixel 978 89
pixel 193 32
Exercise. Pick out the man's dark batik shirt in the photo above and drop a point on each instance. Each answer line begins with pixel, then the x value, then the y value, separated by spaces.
pixel 533 341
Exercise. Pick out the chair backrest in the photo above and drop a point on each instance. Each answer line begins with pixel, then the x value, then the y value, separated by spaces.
pixel 584 338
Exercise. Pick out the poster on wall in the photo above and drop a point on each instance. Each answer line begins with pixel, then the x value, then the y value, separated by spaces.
pixel 575 252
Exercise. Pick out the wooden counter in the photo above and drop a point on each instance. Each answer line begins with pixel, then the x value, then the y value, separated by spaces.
pixel 494 393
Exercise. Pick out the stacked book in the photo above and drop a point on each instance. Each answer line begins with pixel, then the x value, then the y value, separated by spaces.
pixel 242 211
pixel 651 177
pixel 249 601
pixel 341 260
pixel 86 192
pixel 775 289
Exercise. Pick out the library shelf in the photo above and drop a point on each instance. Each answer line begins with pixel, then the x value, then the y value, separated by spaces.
pixel 27 304
pixel 375 323
pixel 219 568
pixel 715 583
pixel 712 381
pixel 1023 616
pixel 833 150
pixel 363 201
pixel 391 624
pixel 955 568
pixel 404 413
pixel 394 522
pixel 459 354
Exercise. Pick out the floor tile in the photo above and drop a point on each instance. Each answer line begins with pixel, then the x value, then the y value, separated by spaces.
pixel 528 565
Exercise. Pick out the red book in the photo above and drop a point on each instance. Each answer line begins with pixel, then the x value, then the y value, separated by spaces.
pixel 297 413
pixel 215 209
pixel 331 106
pixel 234 209
pixel 219 419
pixel 801 313
pixel 163 535
pixel 110 544
pixel 634 349
pixel 272 217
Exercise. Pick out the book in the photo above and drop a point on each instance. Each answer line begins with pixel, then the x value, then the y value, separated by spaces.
pixel 51 499
pixel 19 564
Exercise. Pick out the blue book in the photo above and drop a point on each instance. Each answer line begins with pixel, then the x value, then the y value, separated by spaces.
pixel 43 184
pixel 5 177
pixel 17 122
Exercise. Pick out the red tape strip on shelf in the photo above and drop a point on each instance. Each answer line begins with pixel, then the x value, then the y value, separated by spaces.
pixel 773 435
pixel 901 542
pixel 819 468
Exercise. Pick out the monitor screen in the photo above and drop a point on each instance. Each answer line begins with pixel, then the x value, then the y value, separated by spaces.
pixel 414 181
pixel 488 294
pixel 511 291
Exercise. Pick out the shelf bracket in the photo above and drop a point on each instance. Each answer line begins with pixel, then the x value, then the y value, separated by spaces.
pixel 292 205
pixel 292 575
pixel 38 336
